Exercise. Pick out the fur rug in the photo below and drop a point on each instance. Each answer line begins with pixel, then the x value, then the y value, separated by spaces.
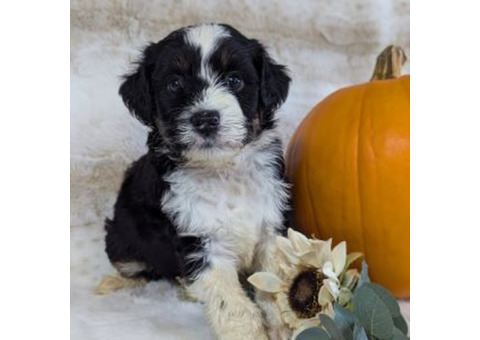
pixel 326 45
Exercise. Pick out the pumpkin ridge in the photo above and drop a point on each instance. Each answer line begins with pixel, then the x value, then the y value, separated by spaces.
pixel 310 196
pixel 357 171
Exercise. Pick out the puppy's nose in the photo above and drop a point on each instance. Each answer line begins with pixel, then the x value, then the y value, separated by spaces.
pixel 206 122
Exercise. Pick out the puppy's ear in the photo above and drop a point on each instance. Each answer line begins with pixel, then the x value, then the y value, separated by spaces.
pixel 136 93
pixel 274 85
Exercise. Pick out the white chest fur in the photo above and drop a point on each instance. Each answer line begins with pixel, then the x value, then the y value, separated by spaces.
pixel 233 206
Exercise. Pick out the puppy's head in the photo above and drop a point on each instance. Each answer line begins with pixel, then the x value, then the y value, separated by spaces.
pixel 206 88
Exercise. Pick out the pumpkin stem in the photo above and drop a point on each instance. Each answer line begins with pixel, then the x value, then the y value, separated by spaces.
pixel 389 63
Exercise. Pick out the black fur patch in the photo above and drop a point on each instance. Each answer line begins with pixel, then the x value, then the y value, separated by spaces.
pixel 141 232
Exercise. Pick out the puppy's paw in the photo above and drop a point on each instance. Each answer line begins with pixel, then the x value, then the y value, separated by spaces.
pixel 240 322
pixel 246 333
pixel 112 283
pixel 279 333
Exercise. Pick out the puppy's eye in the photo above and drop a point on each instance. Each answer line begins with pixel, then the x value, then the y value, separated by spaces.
pixel 175 85
pixel 234 82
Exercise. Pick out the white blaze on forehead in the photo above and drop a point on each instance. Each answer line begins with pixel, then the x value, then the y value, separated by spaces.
pixel 214 96
pixel 205 37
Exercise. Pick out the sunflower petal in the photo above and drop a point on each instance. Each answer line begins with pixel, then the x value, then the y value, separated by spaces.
pixel 323 250
pixel 324 296
pixel 332 287
pixel 352 257
pixel 284 242
pixel 350 278
pixel 267 282
pixel 311 259
pixel 310 322
pixel 286 248
pixel 299 241
pixel 339 257
pixel 327 269
pixel 328 310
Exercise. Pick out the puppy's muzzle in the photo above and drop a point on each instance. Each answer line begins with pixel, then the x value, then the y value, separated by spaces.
pixel 206 123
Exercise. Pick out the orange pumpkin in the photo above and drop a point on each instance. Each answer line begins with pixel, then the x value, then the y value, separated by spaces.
pixel 349 163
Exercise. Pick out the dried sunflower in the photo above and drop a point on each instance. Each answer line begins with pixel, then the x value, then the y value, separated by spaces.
pixel 310 278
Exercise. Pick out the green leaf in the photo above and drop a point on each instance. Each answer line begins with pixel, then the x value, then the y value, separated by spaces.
pixel 330 327
pixel 363 275
pixel 344 296
pixel 359 332
pixel 344 321
pixel 313 333
pixel 372 312
pixel 387 298
pixel 398 335
pixel 392 305
pixel 401 324
pixel 352 257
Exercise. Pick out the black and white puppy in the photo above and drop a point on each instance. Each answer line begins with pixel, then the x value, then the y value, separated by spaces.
pixel 207 200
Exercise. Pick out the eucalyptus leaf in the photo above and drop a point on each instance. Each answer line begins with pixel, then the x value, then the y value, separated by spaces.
pixel 359 332
pixel 344 320
pixel 331 327
pixel 372 312
pixel 345 313
pixel 398 335
pixel 387 298
pixel 363 275
pixel 313 333
pixel 401 324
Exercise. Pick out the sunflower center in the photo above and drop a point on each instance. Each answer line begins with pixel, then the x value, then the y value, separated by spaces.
pixel 303 293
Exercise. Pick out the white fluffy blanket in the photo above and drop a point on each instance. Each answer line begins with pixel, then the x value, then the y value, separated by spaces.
pixel 326 45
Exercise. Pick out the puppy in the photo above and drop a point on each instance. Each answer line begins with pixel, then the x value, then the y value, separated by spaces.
pixel 208 199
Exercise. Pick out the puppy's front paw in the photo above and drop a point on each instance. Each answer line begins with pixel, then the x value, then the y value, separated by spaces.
pixel 247 332
pixel 239 323
pixel 279 333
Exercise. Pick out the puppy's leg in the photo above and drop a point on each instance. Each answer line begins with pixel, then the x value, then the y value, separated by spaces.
pixel 127 278
pixel 230 311
pixel 266 261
